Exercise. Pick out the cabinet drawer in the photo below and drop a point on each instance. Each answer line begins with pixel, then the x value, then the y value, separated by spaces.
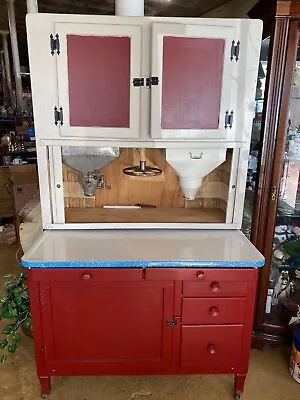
pixel 87 275
pixel 214 289
pixel 202 274
pixel 213 311
pixel 211 346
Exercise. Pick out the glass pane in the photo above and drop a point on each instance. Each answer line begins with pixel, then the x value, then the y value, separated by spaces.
pixel 255 138
pixel 284 281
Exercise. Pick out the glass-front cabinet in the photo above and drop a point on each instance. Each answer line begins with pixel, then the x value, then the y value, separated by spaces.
pixel 283 296
pixel 274 222
pixel 256 138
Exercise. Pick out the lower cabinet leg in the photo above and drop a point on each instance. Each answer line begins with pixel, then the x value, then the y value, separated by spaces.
pixel 45 382
pixel 239 382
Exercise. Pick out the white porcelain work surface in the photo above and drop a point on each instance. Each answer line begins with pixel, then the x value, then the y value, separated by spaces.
pixel 142 248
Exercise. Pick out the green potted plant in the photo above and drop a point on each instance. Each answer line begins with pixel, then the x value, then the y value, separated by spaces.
pixel 15 307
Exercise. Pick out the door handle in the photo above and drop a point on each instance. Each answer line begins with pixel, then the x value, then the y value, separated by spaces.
pixel 196 157
pixel 274 193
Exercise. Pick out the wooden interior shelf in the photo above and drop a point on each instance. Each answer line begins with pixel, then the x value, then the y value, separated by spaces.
pixel 144 215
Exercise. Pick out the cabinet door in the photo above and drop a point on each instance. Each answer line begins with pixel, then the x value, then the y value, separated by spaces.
pixel 194 66
pixel 95 70
pixel 94 327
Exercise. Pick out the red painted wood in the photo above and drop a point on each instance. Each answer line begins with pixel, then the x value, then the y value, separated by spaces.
pixel 213 311
pixel 248 326
pixel 208 274
pixel 45 382
pixel 35 307
pixel 211 345
pixel 104 325
pixel 76 274
pixel 239 383
pixel 99 81
pixel 107 323
pixel 208 289
pixel 192 82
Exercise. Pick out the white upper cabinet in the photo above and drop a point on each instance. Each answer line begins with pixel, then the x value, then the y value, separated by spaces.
pixel 195 66
pixel 96 65
pixel 133 78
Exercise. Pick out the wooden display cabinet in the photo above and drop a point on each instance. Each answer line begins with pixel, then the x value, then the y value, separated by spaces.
pixel 276 202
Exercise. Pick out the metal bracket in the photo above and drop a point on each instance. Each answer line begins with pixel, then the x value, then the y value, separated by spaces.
pixel 55 44
pixel 172 323
pixel 152 81
pixel 229 119
pixel 235 50
pixel 138 82
pixel 58 116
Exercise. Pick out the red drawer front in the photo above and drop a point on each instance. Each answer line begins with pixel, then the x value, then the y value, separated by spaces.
pixel 86 275
pixel 202 274
pixel 213 311
pixel 211 346
pixel 215 289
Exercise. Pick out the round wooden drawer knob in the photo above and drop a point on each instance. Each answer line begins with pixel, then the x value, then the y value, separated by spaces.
pixel 200 275
pixel 214 311
pixel 212 349
pixel 86 276
pixel 215 287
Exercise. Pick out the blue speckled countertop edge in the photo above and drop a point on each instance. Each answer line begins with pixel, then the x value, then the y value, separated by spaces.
pixel 142 264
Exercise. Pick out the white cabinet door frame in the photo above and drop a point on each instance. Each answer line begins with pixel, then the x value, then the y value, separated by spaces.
pixel 161 30
pixel 135 34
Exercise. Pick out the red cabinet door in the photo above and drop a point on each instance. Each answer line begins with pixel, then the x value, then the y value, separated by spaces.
pixel 93 327
pixel 95 69
pixel 194 67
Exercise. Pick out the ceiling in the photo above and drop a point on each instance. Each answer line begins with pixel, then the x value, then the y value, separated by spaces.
pixel 184 8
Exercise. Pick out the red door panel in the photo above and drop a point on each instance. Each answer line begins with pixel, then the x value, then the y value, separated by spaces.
pixel 213 311
pixel 108 324
pixel 192 82
pixel 99 81
pixel 211 347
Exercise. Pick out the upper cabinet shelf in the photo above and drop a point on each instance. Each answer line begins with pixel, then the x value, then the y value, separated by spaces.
pixel 143 78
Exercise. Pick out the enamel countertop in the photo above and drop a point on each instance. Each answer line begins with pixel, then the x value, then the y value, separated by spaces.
pixel 142 248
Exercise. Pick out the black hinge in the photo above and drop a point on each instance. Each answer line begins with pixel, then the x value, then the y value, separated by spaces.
pixel 228 119
pixel 152 81
pixel 235 50
pixel 54 44
pixel 172 323
pixel 138 82
pixel 58 116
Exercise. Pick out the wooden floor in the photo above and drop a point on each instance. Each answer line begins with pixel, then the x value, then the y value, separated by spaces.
pixel 144 215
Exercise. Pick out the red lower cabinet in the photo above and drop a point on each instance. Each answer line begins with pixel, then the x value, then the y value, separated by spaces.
pixel 130 322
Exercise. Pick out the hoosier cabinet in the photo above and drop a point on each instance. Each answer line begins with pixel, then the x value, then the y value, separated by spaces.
pixel 143 130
